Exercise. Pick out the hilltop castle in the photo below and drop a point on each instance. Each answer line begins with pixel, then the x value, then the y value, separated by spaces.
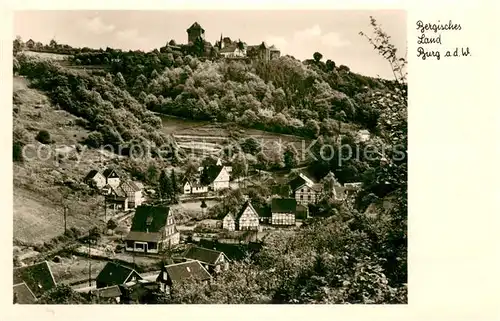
pixel 227 48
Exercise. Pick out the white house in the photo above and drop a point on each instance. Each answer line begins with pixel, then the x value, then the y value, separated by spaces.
pixel 194 188
pixel 133 192
pixel 248 218
pixel 112 177
pixel 229 223
pixel 221 181
pixel 95 178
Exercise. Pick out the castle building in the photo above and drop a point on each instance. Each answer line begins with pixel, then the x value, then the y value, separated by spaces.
pixel 194 32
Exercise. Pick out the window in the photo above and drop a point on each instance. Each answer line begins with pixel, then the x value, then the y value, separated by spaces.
pixel 309 197
pixel 301 197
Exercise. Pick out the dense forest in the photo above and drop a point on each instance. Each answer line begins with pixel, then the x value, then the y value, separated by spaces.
pixel 345 257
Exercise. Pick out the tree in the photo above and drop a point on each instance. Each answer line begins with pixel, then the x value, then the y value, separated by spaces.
pixel 172 42
pixel 152 174
pixel 250 146
pixel 175 187
pixel 165 186
pixel 94 234
pixel 62 294
pixel 330 65
pixel 111 225
pixel 120 81
pixel 17 45
pixel 240 166
pixel 317 56
pixel 291 157
pixel 43 137
pixel 17 152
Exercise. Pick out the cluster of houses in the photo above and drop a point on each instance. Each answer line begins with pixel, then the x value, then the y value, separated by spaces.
pixel 119 283
pixel 220 174
pixel 119 193
pixel 285 211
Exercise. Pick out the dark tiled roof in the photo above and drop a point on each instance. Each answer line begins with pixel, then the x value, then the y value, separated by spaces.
pixel 263 211
pixel 283 205
pixel 202 254
pixel 232 251
pixel 230 48
pixel 91 174
pixel 296 183
pixel 23 295
pixel 38 277
pixel 114 274
pixel 143 236
pixel 187 270
pixel 144 213
pixel 129 186
pixel 244 207
pixel 108 292
pixel 109 172
pixel 195 26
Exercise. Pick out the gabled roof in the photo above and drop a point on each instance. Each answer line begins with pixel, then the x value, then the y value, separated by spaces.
pixel 150 218
pixel 244 207
pixel 91 174
pixel 114 274
pixel 118 191
pixel 229 215
pixel 296 183
pixel 187 270
pixel 110 172
pixel 23 294
pixel 283 205
pixel 112 291
pixel 129 186
pixel 37 277
pixel 195 26
pixel 203 255
pixel 229 48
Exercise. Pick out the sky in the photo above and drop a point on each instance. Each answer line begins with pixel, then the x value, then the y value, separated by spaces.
pixel 333 33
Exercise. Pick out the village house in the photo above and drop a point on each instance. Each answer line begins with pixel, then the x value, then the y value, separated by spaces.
pixel 30 44
pixel 112 177
pixel 133 193
pixel 247 219
pixel 229 222
pixel 213 261
pixel 116 197
pixel 305 190
pixel 95 179
pixel 194 187
pixel 221 181
pixel 115 274
pixel 153 230
pixel 283 211
pixel 31 282
pixel 107 295
pixel 190 271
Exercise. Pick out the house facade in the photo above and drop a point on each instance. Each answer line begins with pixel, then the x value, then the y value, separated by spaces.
pixel 283 211
pixel 194 188
pixel 153 230
pixel 248 218
pixel 305 190
pixel 115 274
pixel 213 261
pixel 116 197
pixel 229 222
pixel 221 181
pixel 133 193
pixel 190 271
pixel 95 178
pixel 112 177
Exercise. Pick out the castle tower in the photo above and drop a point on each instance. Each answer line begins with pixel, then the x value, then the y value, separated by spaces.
pixel 194 32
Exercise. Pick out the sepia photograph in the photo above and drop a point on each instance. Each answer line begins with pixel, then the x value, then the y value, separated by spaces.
pixel 210 157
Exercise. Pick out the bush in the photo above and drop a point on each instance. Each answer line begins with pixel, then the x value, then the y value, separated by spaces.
pixel 17 152
pixel 43 137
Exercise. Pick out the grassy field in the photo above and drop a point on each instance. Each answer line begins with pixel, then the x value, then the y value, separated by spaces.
pixel 46 55
pixel 38 194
